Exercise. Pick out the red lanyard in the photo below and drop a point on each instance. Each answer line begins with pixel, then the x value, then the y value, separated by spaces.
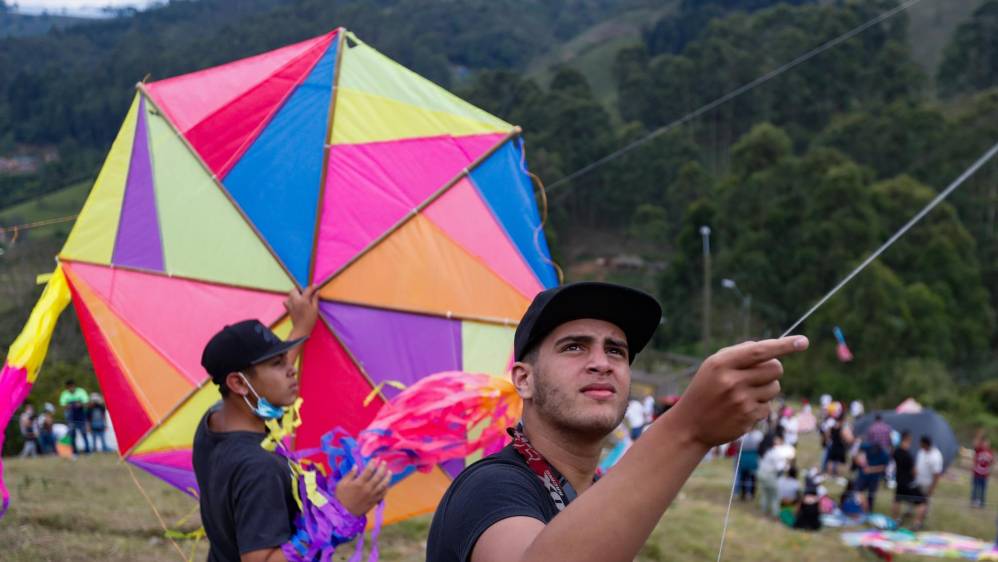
pixel 550 477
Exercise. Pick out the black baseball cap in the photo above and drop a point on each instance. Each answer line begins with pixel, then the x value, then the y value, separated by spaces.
pixel 635 312
pixel 242 345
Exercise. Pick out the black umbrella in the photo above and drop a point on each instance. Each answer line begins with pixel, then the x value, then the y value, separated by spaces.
pixel 926 422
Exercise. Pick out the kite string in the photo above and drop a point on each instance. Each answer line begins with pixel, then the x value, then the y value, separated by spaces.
pixel 987 156
pixel 890 241
pixel 539 231
pixel 735 93
pixel 162 523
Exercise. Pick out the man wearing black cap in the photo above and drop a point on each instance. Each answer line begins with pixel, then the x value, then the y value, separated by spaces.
pixel 247 505
pixel 573 350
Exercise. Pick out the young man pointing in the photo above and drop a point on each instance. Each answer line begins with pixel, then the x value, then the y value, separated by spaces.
pixel 538 499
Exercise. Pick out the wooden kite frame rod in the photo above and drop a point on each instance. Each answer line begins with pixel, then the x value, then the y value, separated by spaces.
pixel 341 33
pixel 142 88
pixel 515 132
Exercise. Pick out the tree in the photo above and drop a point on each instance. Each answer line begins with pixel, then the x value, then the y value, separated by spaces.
pixel 970 59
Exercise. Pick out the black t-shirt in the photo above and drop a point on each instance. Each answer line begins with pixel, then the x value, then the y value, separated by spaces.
pixel 246 498
pixel 905 468
pixel 495 488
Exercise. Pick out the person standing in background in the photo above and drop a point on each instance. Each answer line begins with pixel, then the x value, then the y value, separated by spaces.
pixel 635 416
pixel 96 419
pixel 928 469
pixel 74 399
pixel 983 459
pixel 29 432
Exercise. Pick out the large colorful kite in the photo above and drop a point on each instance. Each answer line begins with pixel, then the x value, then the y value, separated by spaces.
pixel 323 162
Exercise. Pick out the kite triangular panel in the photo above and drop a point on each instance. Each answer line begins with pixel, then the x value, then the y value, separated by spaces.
pixel 278 180
pixel 363 118
pixel 131 420
pixel 223 138
pixel 191 98
pixel 419 269
pixel 93 235
pixel 335 388
pixel 486 348
pixel 417 494
pixel 371 187
pixel 155 382
pixel 169 468
pixel 464 217
pixel 176 433
pixel 371 83
pixel 507 189
pixel 138 241
pixel 204 235
pixel 177 316
pixel 396 346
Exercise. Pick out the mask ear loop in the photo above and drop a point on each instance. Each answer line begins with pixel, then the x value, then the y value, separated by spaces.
pixel 253 390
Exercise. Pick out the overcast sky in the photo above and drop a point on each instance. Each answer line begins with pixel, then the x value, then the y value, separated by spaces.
pixel 75 7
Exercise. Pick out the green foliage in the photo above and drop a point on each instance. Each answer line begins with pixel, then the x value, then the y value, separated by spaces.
pixel 970 60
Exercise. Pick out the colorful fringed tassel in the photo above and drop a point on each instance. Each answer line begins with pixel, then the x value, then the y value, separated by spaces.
pixel 442 417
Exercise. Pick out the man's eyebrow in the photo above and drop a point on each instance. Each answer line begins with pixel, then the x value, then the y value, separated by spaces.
pixel 616 342
pixel 581 338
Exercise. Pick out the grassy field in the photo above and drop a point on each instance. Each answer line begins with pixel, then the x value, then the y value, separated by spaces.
pixel 90 509
pixel 64 202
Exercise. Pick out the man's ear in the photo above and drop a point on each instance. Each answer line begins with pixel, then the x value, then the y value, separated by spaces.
pixel 236 384
pixel 522 377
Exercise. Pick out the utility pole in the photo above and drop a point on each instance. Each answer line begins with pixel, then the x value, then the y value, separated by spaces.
pixel 705 234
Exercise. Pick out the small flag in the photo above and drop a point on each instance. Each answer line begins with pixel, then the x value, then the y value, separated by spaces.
pixel 842 350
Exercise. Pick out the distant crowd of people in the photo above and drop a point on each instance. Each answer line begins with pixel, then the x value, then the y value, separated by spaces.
pixel 768 471
pixel 85 417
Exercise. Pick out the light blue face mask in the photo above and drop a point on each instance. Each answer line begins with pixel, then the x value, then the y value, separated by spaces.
pixel 264 409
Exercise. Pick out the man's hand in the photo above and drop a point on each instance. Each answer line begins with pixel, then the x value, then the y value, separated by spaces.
pixel 303 308
pixel 732 389
pixel 360 491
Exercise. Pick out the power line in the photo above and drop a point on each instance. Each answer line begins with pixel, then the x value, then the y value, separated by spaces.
pixel 734 93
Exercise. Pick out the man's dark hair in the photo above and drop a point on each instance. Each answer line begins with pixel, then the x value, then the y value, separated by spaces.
pixel 905 434
pixel 223 388
pixel 70 382
pixel 530 356
pixel 926 441
pixel 878 417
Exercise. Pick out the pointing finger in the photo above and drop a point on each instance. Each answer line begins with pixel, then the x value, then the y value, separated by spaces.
pixel 749 354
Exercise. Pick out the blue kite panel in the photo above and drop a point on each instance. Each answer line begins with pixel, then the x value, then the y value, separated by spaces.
pixel 503 182
pixel 276 182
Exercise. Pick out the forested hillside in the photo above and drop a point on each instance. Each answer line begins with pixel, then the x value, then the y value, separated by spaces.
pixel 799 178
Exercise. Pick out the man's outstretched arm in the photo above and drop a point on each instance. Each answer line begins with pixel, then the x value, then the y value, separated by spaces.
pixel 612 520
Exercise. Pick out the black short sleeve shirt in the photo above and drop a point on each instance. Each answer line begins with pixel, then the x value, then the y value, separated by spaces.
pixel 245 492
pixel 495 488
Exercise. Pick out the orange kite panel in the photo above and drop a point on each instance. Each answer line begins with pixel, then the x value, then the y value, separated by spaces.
pixel 155 382
pixel 419 269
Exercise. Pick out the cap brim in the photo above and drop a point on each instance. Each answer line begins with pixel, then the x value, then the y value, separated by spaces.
pixel 278 349
pixel 635 312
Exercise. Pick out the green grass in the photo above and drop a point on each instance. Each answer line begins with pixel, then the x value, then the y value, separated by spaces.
pixel 64 202
pixel 91 510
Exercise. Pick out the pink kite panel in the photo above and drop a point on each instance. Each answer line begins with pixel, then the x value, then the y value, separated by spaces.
pixel 465 218
pixel 372 186
pixel 190 98
pixel 176 459
pixel 176 316
pixel 222 138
